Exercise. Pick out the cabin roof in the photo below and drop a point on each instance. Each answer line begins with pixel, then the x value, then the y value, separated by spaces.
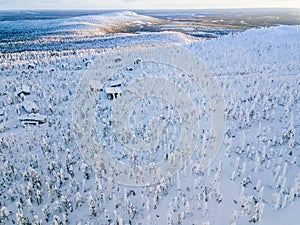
pixel 113 90
pixel 115 83
pixel 33 117
pixel 23 89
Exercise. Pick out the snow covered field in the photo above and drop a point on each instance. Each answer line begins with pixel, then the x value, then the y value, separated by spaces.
pixel 255 178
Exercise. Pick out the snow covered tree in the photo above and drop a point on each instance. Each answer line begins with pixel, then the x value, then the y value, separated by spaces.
pixel 276 197
pixel 187 207
pixel 92 206
pixel 235 169
pixel 56 220
pixel 261 193
pixel 234 217
pixel 4 214
pixel 120 220
pixel 37 220
pixel 65 220
pixel 46 213
pixel 170 214
pixel 38 197
pixel 85 171
pixel 21 218
pixel 29 205
pixel 181 217
pixel 78 199
pixel 284 202
pixel 257 213
pixel 205 209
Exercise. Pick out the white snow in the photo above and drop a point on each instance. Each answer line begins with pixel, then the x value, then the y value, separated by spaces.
pixel 82 25
pixel 255 176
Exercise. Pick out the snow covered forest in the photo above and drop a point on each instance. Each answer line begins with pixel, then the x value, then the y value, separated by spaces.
pixel 255 178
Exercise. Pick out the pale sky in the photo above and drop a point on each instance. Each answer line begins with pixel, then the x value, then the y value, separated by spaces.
pixel 145 4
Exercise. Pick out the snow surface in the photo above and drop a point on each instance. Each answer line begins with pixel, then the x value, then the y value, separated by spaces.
pixel 256 176
pixel 84 25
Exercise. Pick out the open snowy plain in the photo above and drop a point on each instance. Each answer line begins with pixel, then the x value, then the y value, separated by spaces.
pixel 45 177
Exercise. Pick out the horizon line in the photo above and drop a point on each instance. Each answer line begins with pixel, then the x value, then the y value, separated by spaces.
pixel 129 9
